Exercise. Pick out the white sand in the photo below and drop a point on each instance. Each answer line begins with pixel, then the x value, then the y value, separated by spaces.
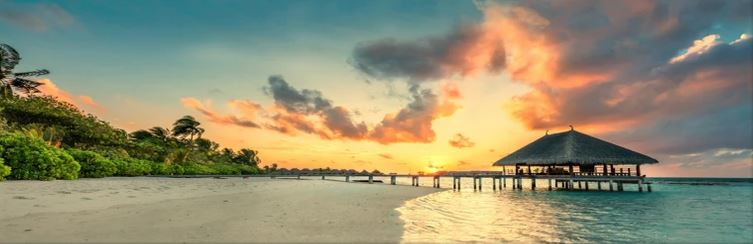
pixel 201 210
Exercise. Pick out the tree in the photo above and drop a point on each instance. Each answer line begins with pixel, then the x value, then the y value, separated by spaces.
pixel 9 80
pixel 187 127
pixel 248 157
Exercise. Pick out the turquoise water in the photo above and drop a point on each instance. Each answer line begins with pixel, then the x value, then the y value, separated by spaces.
pixel 678 210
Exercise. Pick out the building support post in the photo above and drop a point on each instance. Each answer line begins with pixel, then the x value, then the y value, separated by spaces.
pixel 570 185
pixel 494 183
pixel 371 179
pixel 638 170
pixel 393 179
pixel 474 183
pixel 479 183
pixel 347 178
pixel 520 183
pixel 550 184
pixel 598 185
pixel 504 182
pixel 648 186
pixel 586 185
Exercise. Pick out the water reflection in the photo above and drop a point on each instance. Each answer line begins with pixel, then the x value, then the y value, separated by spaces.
pixel 670 214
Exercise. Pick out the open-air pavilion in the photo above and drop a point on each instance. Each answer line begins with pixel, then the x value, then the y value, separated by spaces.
pixel 572 156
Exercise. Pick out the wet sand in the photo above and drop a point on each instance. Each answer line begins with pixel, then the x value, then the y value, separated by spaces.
pixel 202 210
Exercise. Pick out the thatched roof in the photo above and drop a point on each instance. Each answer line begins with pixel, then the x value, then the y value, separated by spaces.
pixel 573 147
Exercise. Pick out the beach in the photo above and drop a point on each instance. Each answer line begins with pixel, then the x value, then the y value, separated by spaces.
pixel 146 209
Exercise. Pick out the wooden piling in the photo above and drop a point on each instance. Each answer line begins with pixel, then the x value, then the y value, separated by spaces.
pixel 504 182
pixel 610 186
pixel 586 185
pixel 393 180
pixel 479 183
pixel 533 183
pixel 570 184
pixel 550 184
pixel 323 177
pixel 371 179
pixel 299 177
pixel 494 183
pixel 640 185
pixel 598 185
pixel 648 186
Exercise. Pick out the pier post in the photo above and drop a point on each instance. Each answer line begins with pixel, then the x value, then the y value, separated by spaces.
pixel 533 183
pixel 474 183
pixel 550 184
pixel 347 178
pixel 416 180
pixel 598 185
pixel 299 177
pixel 504 182
pixel 393 179
pixel 520 183
pixel 570 184
pixel 459 180
pixel 640 185
pixel 371 179
pixel 494 183
pixel 586 185
pixel 479 183
pixel 619 186
pixel 610 185
pixel 322 177
pixel 648 186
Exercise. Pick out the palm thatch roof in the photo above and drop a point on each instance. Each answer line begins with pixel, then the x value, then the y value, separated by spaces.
pixel 573 147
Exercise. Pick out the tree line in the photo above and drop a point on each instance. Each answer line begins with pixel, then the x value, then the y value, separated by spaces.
pixel 43 138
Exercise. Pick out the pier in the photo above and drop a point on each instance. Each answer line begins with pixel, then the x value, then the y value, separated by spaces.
pixel 499 180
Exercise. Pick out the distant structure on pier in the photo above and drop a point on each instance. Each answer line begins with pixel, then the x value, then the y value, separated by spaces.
pixel 574 153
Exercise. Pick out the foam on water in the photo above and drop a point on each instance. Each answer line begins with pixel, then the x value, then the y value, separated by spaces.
pixel 674 212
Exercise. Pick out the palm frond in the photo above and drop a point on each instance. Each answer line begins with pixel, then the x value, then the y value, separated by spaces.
pixel 26 86
pixel 9 57
pixel 33 73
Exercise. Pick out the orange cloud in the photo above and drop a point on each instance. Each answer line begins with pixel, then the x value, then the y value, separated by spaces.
pixel 461 141
pixel 309 112
pixel 81 101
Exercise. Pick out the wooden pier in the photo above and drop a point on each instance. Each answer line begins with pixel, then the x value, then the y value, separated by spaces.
pixel 499 180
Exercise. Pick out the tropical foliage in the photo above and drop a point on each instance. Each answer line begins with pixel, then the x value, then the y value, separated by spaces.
pixel 43 138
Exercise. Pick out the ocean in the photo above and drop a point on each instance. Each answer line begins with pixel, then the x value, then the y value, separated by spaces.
pixel 679 210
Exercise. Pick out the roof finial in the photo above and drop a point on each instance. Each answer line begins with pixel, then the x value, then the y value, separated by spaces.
pixel 571 128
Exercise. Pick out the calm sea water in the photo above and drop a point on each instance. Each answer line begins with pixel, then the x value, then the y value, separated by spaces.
pixel 678 210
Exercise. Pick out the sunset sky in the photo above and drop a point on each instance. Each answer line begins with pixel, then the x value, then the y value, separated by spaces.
pixel 406 86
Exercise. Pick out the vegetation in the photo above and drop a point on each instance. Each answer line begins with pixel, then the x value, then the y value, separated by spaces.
pixel 43 138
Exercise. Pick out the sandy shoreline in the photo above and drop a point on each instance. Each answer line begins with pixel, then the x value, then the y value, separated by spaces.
pixel 201 210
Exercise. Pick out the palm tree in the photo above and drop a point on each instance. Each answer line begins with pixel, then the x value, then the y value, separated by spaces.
pixel 9 80
pixel 156 133
pixel 187 127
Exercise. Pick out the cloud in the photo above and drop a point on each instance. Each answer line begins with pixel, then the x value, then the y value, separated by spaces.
pixel 307 111
pixel 460 141
pixel 81 101
pixel 386 155
pixel 36 17
pixel 466 50
pixel 215 117
pixel 414 122
pixel 614 68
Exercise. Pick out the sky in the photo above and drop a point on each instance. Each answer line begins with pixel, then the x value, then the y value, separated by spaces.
pixel 408 86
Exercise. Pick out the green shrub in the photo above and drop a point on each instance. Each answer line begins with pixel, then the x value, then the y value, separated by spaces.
pixel 247 169
pixel 176 169
pixel 197 169
pixel 132 167
pixel 32 159
pixel 4 170
pixel 161 169
pixel 225 169
pixel 93 165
